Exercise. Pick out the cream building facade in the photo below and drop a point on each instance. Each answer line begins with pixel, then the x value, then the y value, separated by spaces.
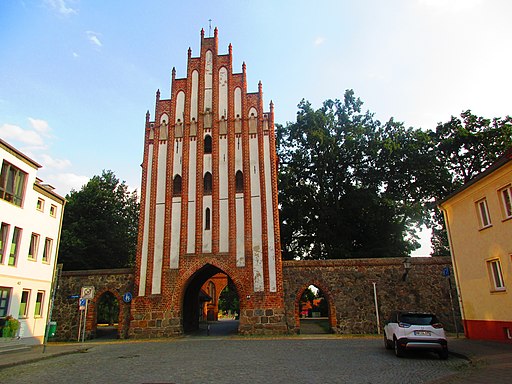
pixel 478 217
pixel 31 219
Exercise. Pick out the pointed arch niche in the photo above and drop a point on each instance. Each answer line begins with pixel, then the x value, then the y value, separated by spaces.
pixel 315 312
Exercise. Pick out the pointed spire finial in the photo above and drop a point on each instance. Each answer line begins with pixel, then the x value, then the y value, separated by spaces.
pixel 147 116
pixel 202 32
pixel 230 48
pixel 158 94
pixel 243 66
pixel 260 87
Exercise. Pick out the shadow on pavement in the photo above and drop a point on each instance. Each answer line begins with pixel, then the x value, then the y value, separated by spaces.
pixel 217 328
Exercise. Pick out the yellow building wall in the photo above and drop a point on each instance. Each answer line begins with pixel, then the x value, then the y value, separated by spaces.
pixel 485 311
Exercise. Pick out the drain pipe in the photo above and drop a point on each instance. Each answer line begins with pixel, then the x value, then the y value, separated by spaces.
pixel 376 306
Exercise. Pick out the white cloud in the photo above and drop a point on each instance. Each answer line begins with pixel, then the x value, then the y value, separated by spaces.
pixel 24 136
pixel 93 38
pixel 319 40
pixel 62 7
pixel 65 182
pixel 75 55
pixel 50 162
pixel 39 125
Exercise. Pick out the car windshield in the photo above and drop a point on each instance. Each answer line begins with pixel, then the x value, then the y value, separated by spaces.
pixel 418 319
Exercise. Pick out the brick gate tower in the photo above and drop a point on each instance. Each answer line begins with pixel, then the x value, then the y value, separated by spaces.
pixel 208 201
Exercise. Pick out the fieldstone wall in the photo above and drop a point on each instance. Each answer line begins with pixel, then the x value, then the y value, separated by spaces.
pixel 66 312
pixel 348 285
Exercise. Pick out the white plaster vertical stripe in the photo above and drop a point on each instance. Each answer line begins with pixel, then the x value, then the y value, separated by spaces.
pixel 194 98
pixel 223 93
pixel 175 233
pixel 145 232
pixel 257 254
pixel 191 220
pixel 156 286
pixel 223 226
pixel 159 220
pixel 240 232
pixel 208 80
pixel 270 216
pixel 223 195
pixel 207 233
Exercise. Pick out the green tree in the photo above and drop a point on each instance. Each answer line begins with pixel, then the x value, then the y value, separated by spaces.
pixel 351 186
pixel 228 299
pixel 348 186
pixel 100 224
pixel 466 146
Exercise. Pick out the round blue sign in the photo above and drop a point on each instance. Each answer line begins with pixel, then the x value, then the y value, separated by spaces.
pixel 127 297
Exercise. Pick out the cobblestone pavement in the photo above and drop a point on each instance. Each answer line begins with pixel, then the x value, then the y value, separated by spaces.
pixel 237 360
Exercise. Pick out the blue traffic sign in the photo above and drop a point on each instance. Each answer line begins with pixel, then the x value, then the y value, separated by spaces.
pixel 446 271
pixel 127 297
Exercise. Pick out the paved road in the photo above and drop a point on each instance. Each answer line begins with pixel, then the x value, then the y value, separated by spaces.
pixel 237 360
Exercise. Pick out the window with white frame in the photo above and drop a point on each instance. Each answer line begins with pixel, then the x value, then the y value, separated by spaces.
pixel 34 246
pixel 25 297
pixel 506 201
pixel 496 276
pixel 47 251
pixel 4 233
pixel 38 310
pixel 483 213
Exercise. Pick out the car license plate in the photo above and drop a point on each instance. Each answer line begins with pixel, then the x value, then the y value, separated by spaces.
pixel 422 333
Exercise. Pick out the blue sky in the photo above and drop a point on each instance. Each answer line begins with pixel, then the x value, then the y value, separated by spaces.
pixel 77 76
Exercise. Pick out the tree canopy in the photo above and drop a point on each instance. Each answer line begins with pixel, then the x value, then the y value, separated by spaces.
pixel 99 228
pixel 351 186
pixel 465 146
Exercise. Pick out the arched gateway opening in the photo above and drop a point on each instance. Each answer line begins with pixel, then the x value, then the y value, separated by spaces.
pixel 204 303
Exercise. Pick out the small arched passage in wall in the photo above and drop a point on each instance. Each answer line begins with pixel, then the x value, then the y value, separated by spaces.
pixel 117 322
pixel 320 325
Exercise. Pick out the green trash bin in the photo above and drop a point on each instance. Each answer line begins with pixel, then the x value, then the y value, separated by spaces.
pixel 52 328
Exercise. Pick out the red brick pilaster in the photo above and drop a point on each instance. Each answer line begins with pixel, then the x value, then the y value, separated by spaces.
pixel 247 183
pixel 215 148
pixel 143 188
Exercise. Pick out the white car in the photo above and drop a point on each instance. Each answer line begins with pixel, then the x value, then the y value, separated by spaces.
pixel 405 331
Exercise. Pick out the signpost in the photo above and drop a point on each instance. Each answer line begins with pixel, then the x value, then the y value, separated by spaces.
pixel 86 294
pixel 127 297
